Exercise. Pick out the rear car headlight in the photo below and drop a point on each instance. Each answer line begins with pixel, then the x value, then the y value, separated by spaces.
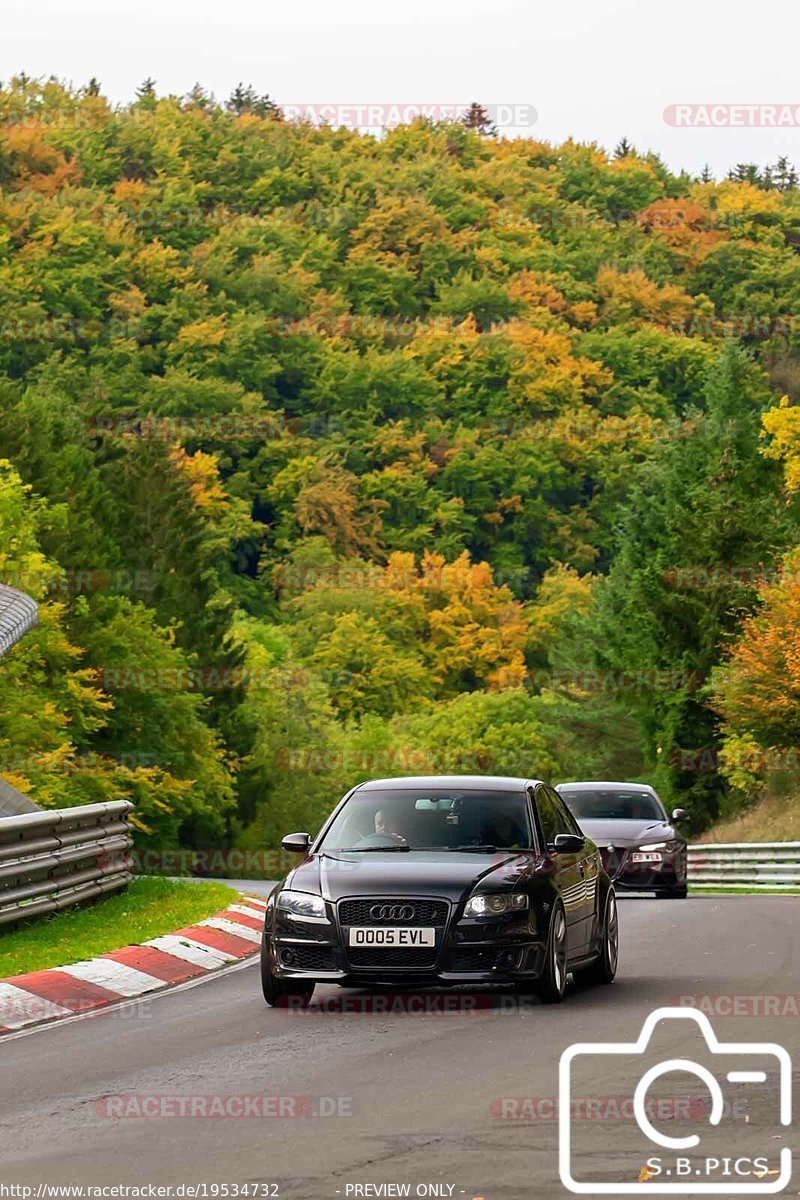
pixel 302 906
pixel 494 906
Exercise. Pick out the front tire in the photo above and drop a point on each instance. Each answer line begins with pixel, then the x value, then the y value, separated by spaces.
pixel 278 992
pixel 677 893
pixel 553 982
pixel 604 968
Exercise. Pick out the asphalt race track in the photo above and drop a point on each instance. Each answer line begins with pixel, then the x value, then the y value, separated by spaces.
pixel 411 1098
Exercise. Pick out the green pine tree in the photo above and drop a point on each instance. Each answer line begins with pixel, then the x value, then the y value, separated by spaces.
pixel 702 518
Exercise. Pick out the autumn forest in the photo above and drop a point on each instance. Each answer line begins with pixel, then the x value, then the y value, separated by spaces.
pixel 330 456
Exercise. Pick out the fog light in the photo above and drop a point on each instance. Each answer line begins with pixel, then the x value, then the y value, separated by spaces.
pixel 287 957
pixel 509 958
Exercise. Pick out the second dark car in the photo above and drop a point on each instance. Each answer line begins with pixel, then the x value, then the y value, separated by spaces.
pixel 445 880
pixel 643 850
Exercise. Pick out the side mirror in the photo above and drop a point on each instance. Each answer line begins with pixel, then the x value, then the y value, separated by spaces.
pixel 298 843
pixel 569 843
pixel 678 815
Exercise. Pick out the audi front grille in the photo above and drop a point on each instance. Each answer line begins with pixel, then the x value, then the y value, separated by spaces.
pixel 379 911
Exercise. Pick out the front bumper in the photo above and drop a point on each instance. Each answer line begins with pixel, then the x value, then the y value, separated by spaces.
pixel 506 949
pixel 636 883
pixel 666 875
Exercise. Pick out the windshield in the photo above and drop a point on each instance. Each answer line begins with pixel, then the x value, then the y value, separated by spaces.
pixel 620 804
pixel 431 819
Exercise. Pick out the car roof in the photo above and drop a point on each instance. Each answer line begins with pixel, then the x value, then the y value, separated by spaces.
pixel 600 784
pixel 497 783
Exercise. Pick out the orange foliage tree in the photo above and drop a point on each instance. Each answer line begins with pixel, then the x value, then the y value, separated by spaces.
pixel 757 690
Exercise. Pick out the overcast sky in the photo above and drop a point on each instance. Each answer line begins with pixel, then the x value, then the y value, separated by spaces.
pixel 592 69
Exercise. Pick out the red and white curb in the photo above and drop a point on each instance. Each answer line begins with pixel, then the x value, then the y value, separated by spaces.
pixel 133 971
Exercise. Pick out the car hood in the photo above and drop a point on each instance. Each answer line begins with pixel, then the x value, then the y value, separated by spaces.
pixel 627 833
pixel 418 872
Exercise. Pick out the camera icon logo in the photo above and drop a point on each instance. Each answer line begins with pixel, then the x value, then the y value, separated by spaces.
pixel 729 1162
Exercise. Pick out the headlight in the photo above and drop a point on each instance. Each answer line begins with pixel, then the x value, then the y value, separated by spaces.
pixel 654 846
pixel 302 906
pixel 494 906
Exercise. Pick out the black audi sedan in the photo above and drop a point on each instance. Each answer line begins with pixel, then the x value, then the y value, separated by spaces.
pixel 642 849
pixel 442 880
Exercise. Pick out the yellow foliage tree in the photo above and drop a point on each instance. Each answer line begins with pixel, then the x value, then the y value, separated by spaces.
pixel 783 426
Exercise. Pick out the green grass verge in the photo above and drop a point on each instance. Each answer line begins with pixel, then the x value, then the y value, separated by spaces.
pixel 147 908
pixel 776 818
pixel 744 891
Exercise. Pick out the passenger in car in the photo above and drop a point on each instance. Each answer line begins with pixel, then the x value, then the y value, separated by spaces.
pixel 504 832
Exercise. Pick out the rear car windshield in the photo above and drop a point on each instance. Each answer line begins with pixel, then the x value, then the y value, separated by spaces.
pixel 431 819
pixel 612 804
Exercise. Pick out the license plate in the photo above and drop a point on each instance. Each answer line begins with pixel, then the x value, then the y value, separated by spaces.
pixel 367 935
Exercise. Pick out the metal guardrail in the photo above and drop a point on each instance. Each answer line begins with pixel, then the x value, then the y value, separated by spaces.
pixel 12 802
pixel 51 860
pixel 18 614
pixel 769 865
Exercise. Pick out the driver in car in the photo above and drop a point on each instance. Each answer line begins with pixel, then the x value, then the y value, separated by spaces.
pixel 386 825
